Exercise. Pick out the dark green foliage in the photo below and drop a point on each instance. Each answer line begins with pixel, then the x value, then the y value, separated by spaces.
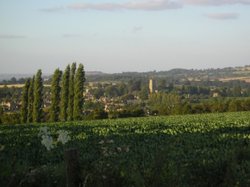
pixel 1 113
pixel 55 96
pixel 192 150
pixel 96 114
pixel 97 93
pixel 112 91
pixel 78 92
pixel 38 98
pixel 135 85
pixel 165 104
pixel 71 93
pixel 31 100
pixel 130 110
pixel 65 94
pixel 144 93
pixel 235 105
pixel 11 118
pixel 25 104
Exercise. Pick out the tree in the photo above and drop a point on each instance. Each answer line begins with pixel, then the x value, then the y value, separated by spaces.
pixel 1 114
pixel 144 92
pixel 237 91
pixel 100 114
pixel 218 105
pixel 162 85
pixel 71 93
pixel 13 80
pixel 24 108
pixel 78 92
pixel 111 91
pixel 122 88
pixel 31 100
pixel 135 85
pixel 246 104
pixel 55 96
pixel 165 103
pixel 186 109
pixel 97 93
pixel 38 97
pixel 65 94
pixel 11 118
pixel 234 106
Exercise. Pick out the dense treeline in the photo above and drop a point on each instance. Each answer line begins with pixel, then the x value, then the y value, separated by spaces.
pixel 25 102
pixel 65 98
pixel 167 104
pixel 55 96
pixel 158 104
pixel 67 94
pixel 32 99
pixel 205 75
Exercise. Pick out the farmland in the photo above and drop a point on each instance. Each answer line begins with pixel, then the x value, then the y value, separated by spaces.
pixel 188 150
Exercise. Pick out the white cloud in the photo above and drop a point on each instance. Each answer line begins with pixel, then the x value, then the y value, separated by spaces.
pixel 222 16
pixel 137 29
pixel 216 2
pixel 149 5
pixel 146 5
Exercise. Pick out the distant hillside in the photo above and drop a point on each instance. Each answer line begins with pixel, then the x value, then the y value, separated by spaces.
pixel 222 74
pixel 10 76
pixel 94 73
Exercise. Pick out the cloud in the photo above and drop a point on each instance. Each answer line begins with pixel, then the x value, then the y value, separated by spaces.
pixel 10 36
pixel 222 16
pixel 137 29
pixel 149 5
pixel 216 2
pixel 146 5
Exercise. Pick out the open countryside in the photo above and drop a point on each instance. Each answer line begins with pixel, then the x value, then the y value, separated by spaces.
pixel 125 93
pixel 158 148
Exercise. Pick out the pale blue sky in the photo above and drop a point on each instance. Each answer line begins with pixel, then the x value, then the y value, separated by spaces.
pixel 126 35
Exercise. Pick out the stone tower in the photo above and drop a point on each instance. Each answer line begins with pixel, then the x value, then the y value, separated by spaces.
pixel 152 86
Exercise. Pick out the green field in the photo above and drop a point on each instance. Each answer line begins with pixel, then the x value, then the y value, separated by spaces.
pixel 188 150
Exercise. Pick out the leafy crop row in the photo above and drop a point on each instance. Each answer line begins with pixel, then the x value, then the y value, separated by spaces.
pixel 191 150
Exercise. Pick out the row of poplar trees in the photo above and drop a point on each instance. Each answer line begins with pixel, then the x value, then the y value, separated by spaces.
pixel 66 96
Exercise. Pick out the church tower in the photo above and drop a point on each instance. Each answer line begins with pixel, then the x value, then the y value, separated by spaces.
pixel 152 86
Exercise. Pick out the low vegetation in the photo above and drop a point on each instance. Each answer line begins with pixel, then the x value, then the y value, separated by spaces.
pixel 188 150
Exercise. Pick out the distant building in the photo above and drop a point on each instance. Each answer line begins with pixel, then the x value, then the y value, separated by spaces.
pixel 152 86
pixel 216 94
pixel 6 105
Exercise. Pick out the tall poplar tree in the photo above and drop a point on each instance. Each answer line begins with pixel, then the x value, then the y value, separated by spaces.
pixel 38 97
pixel 65 94
pixel 24 108
pixel 78 92
pixel 31 100
pixel 55 95
pixel 71 93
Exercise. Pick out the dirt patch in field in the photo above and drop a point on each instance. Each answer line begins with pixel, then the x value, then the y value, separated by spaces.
pixel 18 85
pixel 246 79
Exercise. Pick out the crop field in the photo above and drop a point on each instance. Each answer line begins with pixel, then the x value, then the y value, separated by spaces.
pixel 188 150
pixel 17 85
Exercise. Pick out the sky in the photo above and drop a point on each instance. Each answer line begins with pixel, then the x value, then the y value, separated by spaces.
pixel 123 35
